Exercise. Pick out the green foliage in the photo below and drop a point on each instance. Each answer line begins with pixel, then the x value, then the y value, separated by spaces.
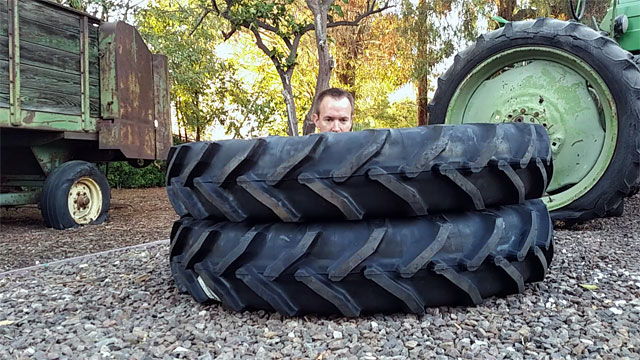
pixel 192 64
pixel 372 61
pixel 122 175
pixel 426 26
pixel 383 114
pixel 207 90
pixel 282 17
pixel 76 4
pixel 107 10
pixel 177 140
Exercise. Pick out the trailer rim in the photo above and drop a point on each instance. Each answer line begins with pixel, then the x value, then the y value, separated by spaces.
pixel 84 200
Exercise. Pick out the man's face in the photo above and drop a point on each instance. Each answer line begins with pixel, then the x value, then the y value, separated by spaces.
pixel 334 116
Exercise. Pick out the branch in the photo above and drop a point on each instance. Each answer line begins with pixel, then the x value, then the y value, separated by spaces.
pixel 266 50
pixel 264 25
pixel 204 15
pixel 224 14
pixel 371 10
pixel 215 7
pixel 293 49
pixel 246 24
pixel 227 35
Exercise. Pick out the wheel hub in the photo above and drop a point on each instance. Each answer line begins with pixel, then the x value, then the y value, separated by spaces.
pixel 85 200
pixel 82 200
pixel 537 114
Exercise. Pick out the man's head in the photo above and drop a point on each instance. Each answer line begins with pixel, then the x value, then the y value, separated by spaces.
pixel 334 111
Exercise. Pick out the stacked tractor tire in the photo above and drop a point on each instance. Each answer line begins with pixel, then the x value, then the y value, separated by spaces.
pixel 376 221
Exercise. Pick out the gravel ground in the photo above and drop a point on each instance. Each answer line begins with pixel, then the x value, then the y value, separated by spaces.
pixel 124 305
pixel 136 216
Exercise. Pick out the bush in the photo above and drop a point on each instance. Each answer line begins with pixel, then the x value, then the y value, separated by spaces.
pixel 122 175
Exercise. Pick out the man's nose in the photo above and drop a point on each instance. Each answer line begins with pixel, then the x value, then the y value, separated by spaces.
pixel 335 126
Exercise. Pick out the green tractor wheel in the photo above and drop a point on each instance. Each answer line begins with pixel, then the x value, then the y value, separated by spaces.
pixel 577 83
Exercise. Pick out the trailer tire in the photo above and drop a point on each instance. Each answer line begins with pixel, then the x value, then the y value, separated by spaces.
pixel 139 163
pixel 362 267
pixel 364 174
pixel 75 193
pixel 610 76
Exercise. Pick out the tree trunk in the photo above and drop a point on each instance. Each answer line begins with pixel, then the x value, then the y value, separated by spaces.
pixel 345 70
pixel 197 107
pixel 424 61
pixel 319 9
pixel 287 92
pixel 423 101
pixel 506 8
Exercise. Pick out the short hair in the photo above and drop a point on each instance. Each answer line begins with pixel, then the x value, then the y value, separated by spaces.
pixel 335 93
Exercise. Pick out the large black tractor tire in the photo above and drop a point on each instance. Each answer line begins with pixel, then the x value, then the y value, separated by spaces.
pixel 603 194
pixel 75 193
pixel 361 267
pixel 365 174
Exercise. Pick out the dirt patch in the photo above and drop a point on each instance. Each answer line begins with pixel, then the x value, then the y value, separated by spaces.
pixel 136 216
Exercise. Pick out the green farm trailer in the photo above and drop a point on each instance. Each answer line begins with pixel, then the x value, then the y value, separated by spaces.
pixel 74 91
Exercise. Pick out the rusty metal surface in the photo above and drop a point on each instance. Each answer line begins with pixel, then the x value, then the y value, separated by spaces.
pixel 164 140
pixel 127 96
pixel 134 75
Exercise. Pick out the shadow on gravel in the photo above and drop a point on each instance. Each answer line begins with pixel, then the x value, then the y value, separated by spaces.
pixel 136 216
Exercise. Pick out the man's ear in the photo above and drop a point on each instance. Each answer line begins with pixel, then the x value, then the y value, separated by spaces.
pixel 315 118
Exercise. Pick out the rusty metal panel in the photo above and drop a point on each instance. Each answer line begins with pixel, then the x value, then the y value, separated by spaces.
pixel 126 78
pixel 134 75
pixel 162 106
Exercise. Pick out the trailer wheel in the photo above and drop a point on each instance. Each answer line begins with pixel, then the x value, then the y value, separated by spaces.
pixel 75 193
pixel 139 163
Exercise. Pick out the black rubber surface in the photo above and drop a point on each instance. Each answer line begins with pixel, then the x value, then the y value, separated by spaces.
pixel 616 67
pixel 365 174
pixel 358 267
pixel 53 201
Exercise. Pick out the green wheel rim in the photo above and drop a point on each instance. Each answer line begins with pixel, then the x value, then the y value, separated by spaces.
pixel 556 89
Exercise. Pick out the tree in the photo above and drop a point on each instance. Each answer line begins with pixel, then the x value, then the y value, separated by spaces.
pixel 372 62
pixel 323 21
pixel 208 89
pixel 513 10
pixel 200 79
pixel 278 27
pixel 107 10
pixel 436 28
